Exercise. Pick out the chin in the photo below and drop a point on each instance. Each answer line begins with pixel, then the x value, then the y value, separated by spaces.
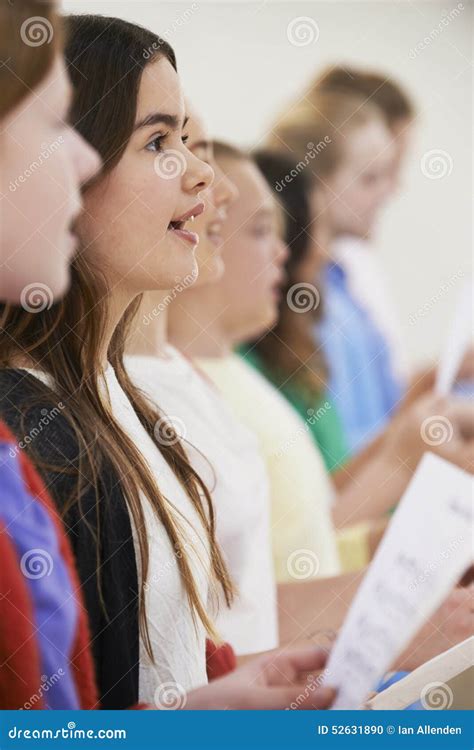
pixel 211 271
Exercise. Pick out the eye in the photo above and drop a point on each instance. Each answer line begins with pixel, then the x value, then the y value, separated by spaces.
pixel 185 138
pixel 157 143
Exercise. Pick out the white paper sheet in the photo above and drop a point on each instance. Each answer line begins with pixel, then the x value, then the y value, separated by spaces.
pixel 426 549
pixel 458 341
pixel 436 671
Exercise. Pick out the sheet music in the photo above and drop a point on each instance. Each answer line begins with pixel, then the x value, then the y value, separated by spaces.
pixel 459 338
pixel 426 549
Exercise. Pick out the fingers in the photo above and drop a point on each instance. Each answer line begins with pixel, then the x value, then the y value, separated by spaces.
pixel 284 666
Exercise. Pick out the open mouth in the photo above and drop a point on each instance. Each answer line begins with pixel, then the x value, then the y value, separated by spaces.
pixel 178 226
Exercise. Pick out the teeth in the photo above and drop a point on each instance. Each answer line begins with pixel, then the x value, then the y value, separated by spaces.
pixel 192 218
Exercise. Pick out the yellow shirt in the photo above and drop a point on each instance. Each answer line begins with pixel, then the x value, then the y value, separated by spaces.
pixel 303 537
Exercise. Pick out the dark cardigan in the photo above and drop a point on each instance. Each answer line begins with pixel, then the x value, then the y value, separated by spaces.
pixel 114 627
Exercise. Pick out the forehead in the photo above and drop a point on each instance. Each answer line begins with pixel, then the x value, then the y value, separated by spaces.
pixel 160 90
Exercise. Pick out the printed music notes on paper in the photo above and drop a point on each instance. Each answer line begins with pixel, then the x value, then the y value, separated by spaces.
pixel 425 550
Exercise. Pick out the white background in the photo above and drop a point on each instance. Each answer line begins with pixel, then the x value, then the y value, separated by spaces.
pixel 240 71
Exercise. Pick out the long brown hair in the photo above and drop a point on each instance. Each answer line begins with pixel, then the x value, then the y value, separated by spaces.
pixel 288 351
pixel 106 59
pixel 30 36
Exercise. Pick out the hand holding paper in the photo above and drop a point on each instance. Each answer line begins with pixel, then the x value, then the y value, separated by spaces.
pixel 427 547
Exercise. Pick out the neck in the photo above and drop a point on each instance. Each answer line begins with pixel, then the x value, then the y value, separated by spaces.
pixel 196 325
pixel 117 302
pixel 150 334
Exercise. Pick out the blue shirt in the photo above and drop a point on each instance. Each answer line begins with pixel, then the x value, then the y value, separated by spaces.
pixel 361 379
pixel 55 610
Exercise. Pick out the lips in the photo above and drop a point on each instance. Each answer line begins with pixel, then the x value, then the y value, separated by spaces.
pixel 177 226
pixel 214 232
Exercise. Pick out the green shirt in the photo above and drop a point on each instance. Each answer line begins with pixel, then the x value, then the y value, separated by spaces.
pixel 320 416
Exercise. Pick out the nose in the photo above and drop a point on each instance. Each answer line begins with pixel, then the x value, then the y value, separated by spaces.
pixel 87 161
pixel 198 175
pixel 224 192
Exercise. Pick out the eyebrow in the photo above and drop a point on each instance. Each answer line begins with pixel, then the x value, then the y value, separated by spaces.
pixel 157 118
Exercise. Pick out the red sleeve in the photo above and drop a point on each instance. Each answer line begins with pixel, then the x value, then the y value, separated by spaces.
pixel 20 669
pixel 220 660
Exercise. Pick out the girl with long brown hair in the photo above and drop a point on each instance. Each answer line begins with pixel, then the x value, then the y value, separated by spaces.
pixel 89 455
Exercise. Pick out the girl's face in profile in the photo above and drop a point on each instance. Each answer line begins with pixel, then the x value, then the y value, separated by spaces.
pixel 138 225
pixel 254 253
pixel 43 163
pixel 362 182
pixel 217 199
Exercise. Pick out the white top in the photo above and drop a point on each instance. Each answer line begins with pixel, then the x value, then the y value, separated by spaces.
pixel 303 536
pixel 227 457
pixel 179 647
pixel 368 283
